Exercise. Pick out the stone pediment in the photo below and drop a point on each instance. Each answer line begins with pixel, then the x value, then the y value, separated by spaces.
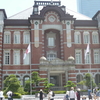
pixel 57 61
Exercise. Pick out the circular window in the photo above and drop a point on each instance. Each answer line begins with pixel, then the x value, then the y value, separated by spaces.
pixel 51 18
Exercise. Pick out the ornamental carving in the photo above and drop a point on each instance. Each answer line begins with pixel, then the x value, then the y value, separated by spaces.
pixel 51 17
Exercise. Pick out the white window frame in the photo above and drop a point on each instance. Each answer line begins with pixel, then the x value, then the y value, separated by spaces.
pixel 6 57
pixel 26 37
pixel 51 37
pixel 54 55
pixel 88 57
pixel 86 37
pixel 78 56
pixel 95 37
pixel 51 41
pixel 16 57
pixel 26 61
pixel 17 37
pixel 77 37
pixel 96 57
pixel 7 37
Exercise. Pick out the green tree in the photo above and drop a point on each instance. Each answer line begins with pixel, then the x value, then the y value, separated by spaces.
pixel 36 78
pixel 69 84
pixel 27 85
pixel 47 85
pixel 12 83
pixel 33 82
pixel 87 81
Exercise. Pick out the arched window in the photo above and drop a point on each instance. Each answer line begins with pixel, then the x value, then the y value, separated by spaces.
pixel 79 78
pixel 97 79
pixel 26 38
pixel 4 79
pixel 95 38
pixel 77 36
pixel 86 37
pixel 25 79
pixel 18 78
pixel 16 37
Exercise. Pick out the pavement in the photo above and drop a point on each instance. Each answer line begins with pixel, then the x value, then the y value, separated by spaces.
pixel 57 97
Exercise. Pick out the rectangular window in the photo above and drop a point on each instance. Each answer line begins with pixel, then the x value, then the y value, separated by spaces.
pixel 16 57
pixel 6 57
pixel 78 57
pixel 95 38
pixel 96 57
pixel 77 37
pixel 26 38
pixel 88 58
pixel 51 56
pixel 7 38
pixel 50 41
pixel 26 61
pixel 16 38
pixel 86 38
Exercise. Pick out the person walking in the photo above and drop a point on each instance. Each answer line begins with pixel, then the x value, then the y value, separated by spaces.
pixel 98 94
pixel 94 93
pixel 10 95
pixel 1 95
pixel 41 94
pixel 72 94
pixel 51 95
pixel 78 94
pixel 66 97
pixel 89 94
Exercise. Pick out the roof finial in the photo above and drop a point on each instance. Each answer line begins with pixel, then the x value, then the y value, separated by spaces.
pixel 51 2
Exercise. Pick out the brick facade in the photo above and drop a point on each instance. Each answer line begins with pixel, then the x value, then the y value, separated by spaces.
pixel 52 22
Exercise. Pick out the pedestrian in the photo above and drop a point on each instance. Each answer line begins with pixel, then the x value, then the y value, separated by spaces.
pixel 72 94
pixel 94 93
pixel 89 94
pixel 1 95
pixel 51 95
pixel 78 94
pixel 98 94
pixel 41 94
pixel 10 95
pixel 66 97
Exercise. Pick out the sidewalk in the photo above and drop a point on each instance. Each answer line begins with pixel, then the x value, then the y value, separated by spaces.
pixel 32 97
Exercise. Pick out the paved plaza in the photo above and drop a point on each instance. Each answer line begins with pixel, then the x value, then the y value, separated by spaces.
pixel 32 97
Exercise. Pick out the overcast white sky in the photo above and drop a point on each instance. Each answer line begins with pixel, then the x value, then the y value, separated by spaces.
pixel 15 6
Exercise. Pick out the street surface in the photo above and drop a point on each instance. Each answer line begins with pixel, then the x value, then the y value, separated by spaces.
pixel 32 97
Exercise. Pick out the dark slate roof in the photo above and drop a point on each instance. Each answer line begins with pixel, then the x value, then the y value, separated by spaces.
pixel 86 23
pixel 16 22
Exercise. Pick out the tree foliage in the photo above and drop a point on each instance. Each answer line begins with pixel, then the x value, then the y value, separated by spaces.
pixel 87 81
pixel 36 78
pixel 47 85
pixel 13 84
pixel 69 84
pixel 33 82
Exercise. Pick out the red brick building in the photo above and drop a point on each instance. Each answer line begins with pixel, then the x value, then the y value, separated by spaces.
pixel 58 39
